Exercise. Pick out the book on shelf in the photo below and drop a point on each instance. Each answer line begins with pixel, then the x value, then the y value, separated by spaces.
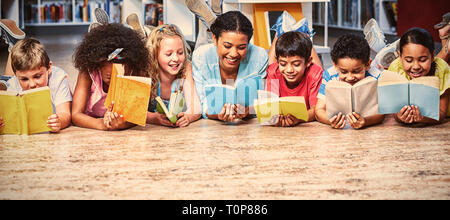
pixel 130 95
pixel 360 98
pixel 270 104
pixel 26 112
pixel 153 14
pixel 396 91
pixel 176 106
pixel 243 92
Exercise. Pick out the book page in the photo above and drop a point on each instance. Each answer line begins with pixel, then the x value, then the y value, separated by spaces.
pixel 365 97
pixel 266 109
pixel 217 96
pixel 294 105
pixel 117 70
pixel 432 81
pixel 38 107
pixel 247 90
pixel 142 79
pixel 425 94
pixel 338 98
pixel 388 78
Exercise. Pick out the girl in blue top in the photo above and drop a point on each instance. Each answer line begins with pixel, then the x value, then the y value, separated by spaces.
pixel 229 58
pixel 170 70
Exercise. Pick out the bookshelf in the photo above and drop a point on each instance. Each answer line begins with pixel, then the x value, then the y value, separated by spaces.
pixel 354 14
pixel 68 12
pixel 156 12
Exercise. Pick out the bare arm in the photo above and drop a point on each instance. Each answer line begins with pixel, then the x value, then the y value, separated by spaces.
pixel 64 115
pixel 194 109
pixel 80 98
pixel 321 112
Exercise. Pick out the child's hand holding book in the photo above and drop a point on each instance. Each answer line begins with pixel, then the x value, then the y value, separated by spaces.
pixel 355 120
pixel 54 123
pixel 285 121
pixel 112 120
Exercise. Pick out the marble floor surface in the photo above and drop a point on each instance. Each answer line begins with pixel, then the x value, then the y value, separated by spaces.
pixel 211 160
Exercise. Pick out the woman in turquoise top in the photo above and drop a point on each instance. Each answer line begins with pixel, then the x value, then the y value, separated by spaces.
pixel 231 57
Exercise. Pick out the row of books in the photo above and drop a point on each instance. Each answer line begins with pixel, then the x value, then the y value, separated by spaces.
pixel 61 12
pixel 350 8
pixel 153 14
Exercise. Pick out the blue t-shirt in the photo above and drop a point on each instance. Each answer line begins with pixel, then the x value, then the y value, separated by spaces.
pixel 206 70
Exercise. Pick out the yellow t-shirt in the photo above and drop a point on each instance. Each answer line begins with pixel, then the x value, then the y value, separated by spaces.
pixel 442 71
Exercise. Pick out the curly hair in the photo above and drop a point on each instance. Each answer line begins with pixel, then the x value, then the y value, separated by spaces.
pixel 351 46
pixel 97 44
pixel 154 45
pixel 232 21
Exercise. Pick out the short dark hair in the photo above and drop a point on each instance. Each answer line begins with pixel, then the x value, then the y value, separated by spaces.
pixel 232 21
pixel 293 44
pixel 351 46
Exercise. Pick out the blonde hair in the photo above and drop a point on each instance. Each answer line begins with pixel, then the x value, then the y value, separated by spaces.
pixel 29 54
pixel 154 43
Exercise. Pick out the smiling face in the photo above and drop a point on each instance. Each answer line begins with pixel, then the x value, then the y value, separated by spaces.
pixel 31 79
pixel 171 55
pixel 231 48
pixel 416 60
pixel 293 69
pixel 351 70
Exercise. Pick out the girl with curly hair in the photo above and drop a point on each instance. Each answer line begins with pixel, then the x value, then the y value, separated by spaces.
pixel 171 69
pixel 92 59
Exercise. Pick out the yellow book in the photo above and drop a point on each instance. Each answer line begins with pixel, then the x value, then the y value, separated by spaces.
pixel 130 95
pixel 269 105
pixel 25 112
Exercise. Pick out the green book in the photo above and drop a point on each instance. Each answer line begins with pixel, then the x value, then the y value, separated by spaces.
pixel 176 106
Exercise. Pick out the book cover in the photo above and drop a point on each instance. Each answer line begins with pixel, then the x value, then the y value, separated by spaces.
pixel 244 92
pixel 269 105
pixel 396 91
pixel 360 98
pixel 26 112
pixel 176 106
pixel 130 95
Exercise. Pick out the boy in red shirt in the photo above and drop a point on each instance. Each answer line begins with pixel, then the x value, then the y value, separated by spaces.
pixel 294 74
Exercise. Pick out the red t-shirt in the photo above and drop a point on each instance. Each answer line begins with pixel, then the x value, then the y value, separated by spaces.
pixel 308 86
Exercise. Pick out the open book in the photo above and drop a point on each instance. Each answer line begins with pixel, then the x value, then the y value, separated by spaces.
pixel 244 92
pixel 360 98
pixel 26 112
pixel 396 91
pixel 269 104
pixel 176 105
pixel 130 95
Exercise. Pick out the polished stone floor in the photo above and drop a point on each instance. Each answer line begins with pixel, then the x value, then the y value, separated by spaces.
pixel 211 160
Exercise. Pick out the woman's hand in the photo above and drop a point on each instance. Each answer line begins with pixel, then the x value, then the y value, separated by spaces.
pixel 241 111
pixel 355 120
pixel 183 120
pixel 337 121
pixel 54 123
pixel 228 113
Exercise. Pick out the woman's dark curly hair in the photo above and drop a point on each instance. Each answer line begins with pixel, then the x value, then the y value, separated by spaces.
pixel 232 21
pixel 351 46
pixel 97 44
